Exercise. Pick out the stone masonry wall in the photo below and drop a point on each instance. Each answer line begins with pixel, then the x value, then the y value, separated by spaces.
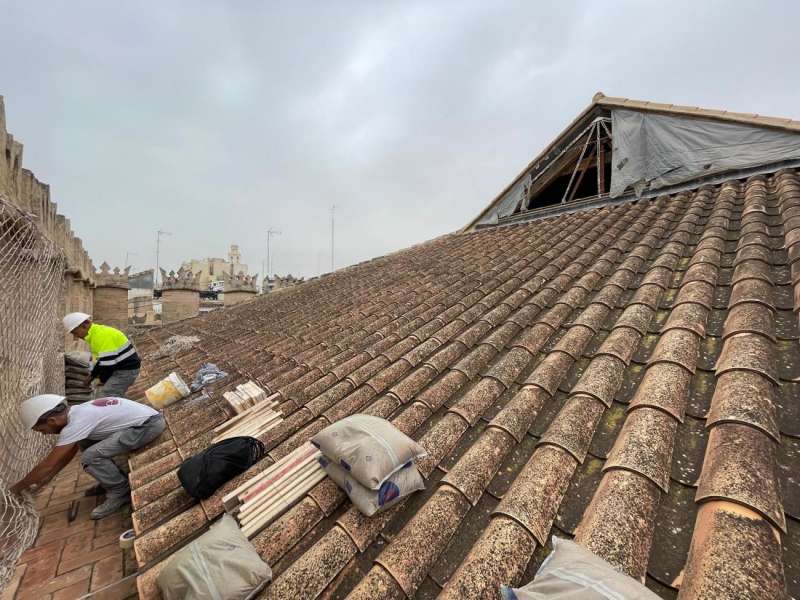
pixel 111 306
pixel 235 297
pixel 177 304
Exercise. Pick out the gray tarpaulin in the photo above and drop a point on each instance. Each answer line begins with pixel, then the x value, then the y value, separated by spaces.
pixel 651 150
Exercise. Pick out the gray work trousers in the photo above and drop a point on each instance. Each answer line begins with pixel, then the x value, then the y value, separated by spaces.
pixel 97 458
pixel 117 384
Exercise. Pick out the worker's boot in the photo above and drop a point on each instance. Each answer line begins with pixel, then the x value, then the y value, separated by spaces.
pixel 112 505
pixel 95 490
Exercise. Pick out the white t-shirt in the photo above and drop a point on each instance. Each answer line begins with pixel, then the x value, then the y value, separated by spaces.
pixel 97 419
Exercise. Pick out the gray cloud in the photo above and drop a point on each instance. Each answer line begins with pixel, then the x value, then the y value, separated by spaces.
pixel 218 120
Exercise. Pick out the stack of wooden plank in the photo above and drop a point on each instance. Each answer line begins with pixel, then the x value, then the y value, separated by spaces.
pixel 253 421
pixel 244 396
pixel 261 500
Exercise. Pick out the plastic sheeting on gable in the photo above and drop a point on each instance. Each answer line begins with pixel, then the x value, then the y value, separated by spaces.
pixel 507 204
pixel 651 150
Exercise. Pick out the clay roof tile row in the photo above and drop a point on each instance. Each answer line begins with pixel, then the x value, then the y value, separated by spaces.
pixel 572 376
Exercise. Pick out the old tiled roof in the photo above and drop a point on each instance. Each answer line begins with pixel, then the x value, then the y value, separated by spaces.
pixel 625 376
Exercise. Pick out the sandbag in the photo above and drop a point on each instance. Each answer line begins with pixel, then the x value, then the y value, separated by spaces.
pixel 78 359
pixel 78 398
pixel 402 483
pixel 81 391
pixel 219 565
pixel 571 572
pixel 371 449
pixel 208 470
pixel 75 385
pixel 76 371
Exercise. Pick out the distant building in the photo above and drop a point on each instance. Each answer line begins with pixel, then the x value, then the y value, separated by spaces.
pixel 141 308
pixel 140 284
pixel 213 269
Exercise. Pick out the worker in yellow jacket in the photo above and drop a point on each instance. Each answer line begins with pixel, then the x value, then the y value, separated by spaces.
pixel 115 361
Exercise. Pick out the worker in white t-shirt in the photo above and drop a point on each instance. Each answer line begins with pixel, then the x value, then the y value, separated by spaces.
pixel 102 428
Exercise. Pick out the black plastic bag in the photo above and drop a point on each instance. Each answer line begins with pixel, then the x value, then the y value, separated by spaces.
pixel 204 473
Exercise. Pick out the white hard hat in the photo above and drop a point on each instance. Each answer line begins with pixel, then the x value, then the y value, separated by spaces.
pixel 33 408
pixel 72 320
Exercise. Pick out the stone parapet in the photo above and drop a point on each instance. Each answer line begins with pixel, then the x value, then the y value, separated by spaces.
pixel 105 277
pixel 31 196
pixel 182 279
pixel 278 283
pixel 240 283
pixel 111 296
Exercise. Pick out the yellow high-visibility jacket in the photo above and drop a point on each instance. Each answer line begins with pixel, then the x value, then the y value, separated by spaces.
pixel 111 351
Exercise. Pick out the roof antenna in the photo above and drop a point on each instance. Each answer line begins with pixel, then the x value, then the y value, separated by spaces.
pixel 333 210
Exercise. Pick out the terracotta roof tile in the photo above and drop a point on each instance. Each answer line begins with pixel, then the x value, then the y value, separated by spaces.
pixel 573 428
pixel 745 397
pixel 665 385
pixel 314 569
pixel 747 476
pixel 436 395
pixel 748 352
pixel 510 366
pixel 549 372
pixel 677 346
pixel 602 378
pixel 475 469
pixel 157 542
pixel 624 505
pixel 161 508
pixel 517 416
pixel 715 569
pixel 412 417
pixel 411 554
pixel 146 493
pixel 478 399
pixel 644 445
pixel 534 497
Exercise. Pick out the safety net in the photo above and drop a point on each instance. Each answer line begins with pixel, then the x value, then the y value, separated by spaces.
pixel 31 362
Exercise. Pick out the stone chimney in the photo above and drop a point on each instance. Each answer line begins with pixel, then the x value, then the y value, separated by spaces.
pixel 111 296
pixel 180 295
pixel 238 288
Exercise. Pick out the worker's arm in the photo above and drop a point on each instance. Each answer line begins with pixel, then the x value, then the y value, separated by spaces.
pixel 58 458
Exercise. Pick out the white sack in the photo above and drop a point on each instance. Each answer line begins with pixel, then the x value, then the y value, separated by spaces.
pixel 404 482
pixel 367 447
pixel 571 572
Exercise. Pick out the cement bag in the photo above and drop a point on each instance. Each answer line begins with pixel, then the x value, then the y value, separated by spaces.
pixel 219 565
pixel 572 572
pixel 369 448
pixel 402 483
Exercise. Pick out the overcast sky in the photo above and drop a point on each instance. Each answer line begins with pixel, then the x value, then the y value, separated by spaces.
pixel 218 120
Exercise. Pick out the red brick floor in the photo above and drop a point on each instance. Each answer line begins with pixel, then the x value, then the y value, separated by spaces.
pixel 78 558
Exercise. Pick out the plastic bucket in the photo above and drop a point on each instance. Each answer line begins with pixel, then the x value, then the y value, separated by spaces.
pixel 168 390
